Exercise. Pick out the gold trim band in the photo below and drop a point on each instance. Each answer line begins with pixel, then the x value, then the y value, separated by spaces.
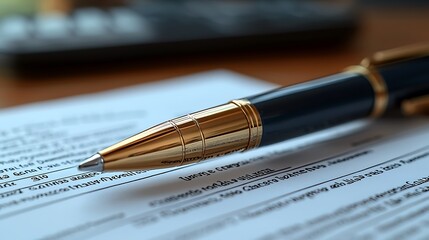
pixel 203 138
pixel 381 96
pixel 253 120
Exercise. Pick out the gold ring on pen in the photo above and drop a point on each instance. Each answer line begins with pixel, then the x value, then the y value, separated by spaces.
pixel 381 97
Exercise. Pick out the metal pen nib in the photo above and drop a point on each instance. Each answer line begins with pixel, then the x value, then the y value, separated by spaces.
pixel 94 163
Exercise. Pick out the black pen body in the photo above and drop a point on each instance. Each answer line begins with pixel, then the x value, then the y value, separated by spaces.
pixel 296 110
pixel 405 80
pixel 293 111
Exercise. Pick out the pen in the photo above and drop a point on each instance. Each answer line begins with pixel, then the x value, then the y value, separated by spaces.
pixel 389 80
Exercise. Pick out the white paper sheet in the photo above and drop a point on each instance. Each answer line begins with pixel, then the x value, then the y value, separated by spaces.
pixel 363 180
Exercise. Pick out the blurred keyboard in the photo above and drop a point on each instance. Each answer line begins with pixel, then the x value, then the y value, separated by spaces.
pixel 167 27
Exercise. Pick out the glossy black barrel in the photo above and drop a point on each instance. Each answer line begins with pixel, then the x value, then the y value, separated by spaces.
pixel 406 79
pixel 300 109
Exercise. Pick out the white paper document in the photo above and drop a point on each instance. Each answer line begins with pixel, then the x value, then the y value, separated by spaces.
pixel 362 180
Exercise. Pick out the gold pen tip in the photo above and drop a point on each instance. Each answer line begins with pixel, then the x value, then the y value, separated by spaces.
pixel 94 164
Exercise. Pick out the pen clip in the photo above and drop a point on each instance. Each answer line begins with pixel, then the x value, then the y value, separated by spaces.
pixel 416 106
pixel 396 55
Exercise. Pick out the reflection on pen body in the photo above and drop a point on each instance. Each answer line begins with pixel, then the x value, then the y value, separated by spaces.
pixel 393 79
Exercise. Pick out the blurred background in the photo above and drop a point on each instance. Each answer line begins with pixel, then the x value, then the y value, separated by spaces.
pixel 56 48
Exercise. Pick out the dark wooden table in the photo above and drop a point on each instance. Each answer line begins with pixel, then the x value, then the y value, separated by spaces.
pixel 380 29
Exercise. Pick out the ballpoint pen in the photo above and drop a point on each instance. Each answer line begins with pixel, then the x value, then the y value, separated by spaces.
pixel 389 80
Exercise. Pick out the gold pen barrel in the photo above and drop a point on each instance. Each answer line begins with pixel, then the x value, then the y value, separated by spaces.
pixel 232 127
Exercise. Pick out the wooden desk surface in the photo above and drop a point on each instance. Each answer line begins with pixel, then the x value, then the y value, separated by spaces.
pixel 379 30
